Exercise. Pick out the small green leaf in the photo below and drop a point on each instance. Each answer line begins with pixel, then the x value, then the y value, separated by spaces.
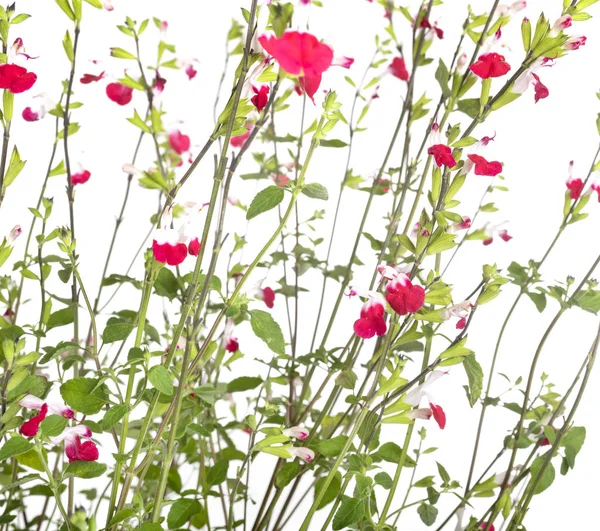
pixel 119 53
pixel 267 329
pixel 60 318
pixel 181 512
pixel 112 416
pixel 244 383
pixel 475 376
pixel 16 445
pixel 85 395
pixel 117 332
pixel 428 513
pixel 351 511
pixel 85 469
pixel 316 191
pixel 161 379
pixel 265 200
pixel 287 473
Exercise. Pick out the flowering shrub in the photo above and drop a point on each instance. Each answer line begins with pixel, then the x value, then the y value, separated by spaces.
pixel 115 419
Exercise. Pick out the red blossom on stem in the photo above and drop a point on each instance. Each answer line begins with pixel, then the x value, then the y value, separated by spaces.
pixel 442 155
pixel 81 177
pixel 15 78
pixel 261 97
pixel 179 142
pixel 31 427
pixel 372 320
pixel 398 69
pixel 403 296
pixel 485 167
pixel 490 65
pixel 86 79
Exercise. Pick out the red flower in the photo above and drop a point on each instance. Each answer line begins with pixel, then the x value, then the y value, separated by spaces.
pixel 232 345
pixel 86 79
pixel 372 320
pixel 261 97
pixel 490 65
pixel 484 526
pixel 76 450
pixel 281 180
pixel 118 93
pixel 483 167
pixel 194 247
pixel 574 184
pixel 398 69
pixel 298 53
pixel 403 296
pixel 238 141
pixel 190 71
pixel 159 83
pixel 268 297
pixel 310 85
pixel 179 142
pixel 442 155
pixel 80 177
pixel 31 427
pixel 172 254
pixel 438 415
pixel 541 90
pixel 15 78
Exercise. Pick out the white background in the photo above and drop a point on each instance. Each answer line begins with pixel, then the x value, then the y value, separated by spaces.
pixel 535 143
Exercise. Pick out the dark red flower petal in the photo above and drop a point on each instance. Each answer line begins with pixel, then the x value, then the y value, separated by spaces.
pixel 179 142
pixel 80 177
pixel 261 97
pixel 268 296
pixel 29 115
pixel 438 415
pixel 15 78
pixel 86 79
pixel 32 426
pixel 194 247
pixel 490 65
pixel 442 155
pixel 398 69
pixel 483 167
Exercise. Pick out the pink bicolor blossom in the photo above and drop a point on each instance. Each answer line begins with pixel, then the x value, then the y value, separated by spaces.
pixel 372 316
pixel 14 233
pixel 491 231
pixel 574 184
pixel 404 296
pixel 306 454
pixel 75 449
pixel 459 311
pixel 55 407
pixel 38 108
pixel 531 77
pixel 31 427
pixel 414 397
pixel 515 7
pixel 297 432
pixel 573 43
pixel 460 225
pixel 441 153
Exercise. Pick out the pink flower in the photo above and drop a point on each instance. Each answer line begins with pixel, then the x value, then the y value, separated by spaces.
pixel 485 526
pixel 30 427
pixel 261 97
pixel 232 345
pixel 118 93
pixel 462 225
pixel 194 247
pixel 299 54
pixel 238 141
pixel 15 78
pixel 343 61
pixel 56 408
pixel 490 65
pixel 574 184
pixel 573 43
pixel 281 180
pixel 403 296
pixel 541 90
pixel 414 397
pixel 159 83
pixel 442 154
pixel 483 167
pixel 438 415
pixel 372 317
pixel 179 142
pixel 296 432
pixel 86 79
pixel 37 110
pixel 268 297
pixel 461 63
pixel 564 22
pixel 398 69
pixel 529 77
pixel 81 177
pixel 15 232
pixel 434 30
pixel 491 231
pixel 306 454
pixel 190 71
pixel 595 186
pixel 107 5
pixel 75 449
pixel 460 311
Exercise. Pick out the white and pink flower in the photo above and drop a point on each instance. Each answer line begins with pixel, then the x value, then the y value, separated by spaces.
pixel 459 311
pixel 297 432
pixel 414 397
pixel 75 448
pixel 306 454
pixel 372 315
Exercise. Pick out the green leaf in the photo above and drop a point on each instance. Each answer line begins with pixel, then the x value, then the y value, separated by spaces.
pixel 442 75
pixel 216 474
pixel 166 284
pixel 161 379
pixel 265 200
pixel 267 329
pixel 287 473
pixel 53 425
pixel 85 395
pixel 138 121
pixel 119 53
pixel 112 416
pixel 428 513
pixel 333 489
pixel 332 447
pixel 85 469
pixel 64 5
pixel 384 479
pixel 457 350
pixel 333 143
pixel 68 46
pixel 121 516
pixel 316 191
pixel 60 318
pixel 469 106
pixel 351 511
pixel 244 383
pixel 16 445
pixel 573 441
pixel 539 299
pixel 475 376
pixel 547 477
pixel 117 332
pixel 181 512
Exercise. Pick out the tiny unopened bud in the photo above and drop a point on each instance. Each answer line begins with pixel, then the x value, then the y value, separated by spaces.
pixel 14 234
pixel 570 280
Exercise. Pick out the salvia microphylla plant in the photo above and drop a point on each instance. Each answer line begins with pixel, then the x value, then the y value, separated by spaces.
pixel 112 422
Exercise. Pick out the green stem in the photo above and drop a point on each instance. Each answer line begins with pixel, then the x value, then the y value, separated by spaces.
pixel 54 487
